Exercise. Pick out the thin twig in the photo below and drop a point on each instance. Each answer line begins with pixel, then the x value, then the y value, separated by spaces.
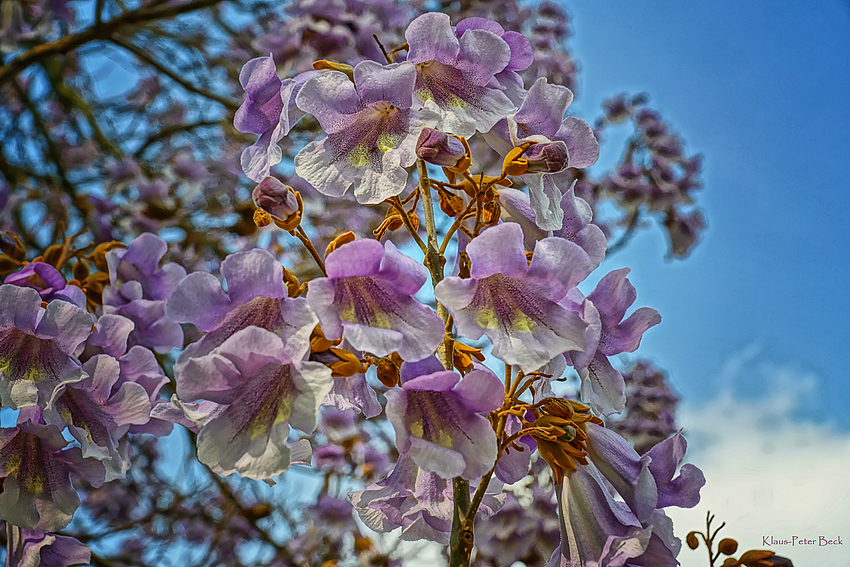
pixel 96 32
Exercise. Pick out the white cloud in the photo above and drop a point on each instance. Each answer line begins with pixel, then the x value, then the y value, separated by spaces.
pixel 771 469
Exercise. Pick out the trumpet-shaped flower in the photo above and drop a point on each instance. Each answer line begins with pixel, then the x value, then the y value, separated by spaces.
pixel 50 550
pixel 609 334
pixel 95 416
pixel 37 491
pixel 418 502
pixel 438 422
pixel 269 111
pixel 367 299
pixel 588 461
pixel 540 120
pixel 371 127
pixel 256 295
pixel 48 282
pixel 265 392
pixel 37 345
pixel 576 226
pixel 139 288
pixel 516 304
pixel 453 75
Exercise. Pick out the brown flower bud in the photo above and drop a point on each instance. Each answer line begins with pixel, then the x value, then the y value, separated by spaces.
pixel 324 64
pixel 492 213
pixel 320 343
pixel 343 238
pixel 99 254
pixel 692 540
pixel 53 254
pixel 388 370
pixel 727 546
pixel 450 204
pixel 81 270
pixel 348 364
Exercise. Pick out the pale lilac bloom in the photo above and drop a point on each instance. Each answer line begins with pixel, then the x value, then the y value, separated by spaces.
pixel 51 550
pixel 453 75
pixel 96 417
pixel 596 529
pixel 37 345
pixel 371 131
pixel 515 304
pixel 438 421
pixel 439 148
pixel 256 295
pixel 367 299
pixel 576 226
pixel 540 119
pixel 418 502
pixel 37 491
pixel 522 55
pixel 265 392
pixel 354 392
pixel 139 288
pixel 48 282
pixel 514 464
pixel 262 113
pixel 608 334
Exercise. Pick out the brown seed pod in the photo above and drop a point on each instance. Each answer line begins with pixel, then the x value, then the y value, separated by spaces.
pixel 727 546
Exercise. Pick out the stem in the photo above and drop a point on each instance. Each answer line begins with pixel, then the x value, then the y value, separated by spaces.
pixel 308 244
pixel 14 547
pixel 399 206
pixel 98 31
pixel 462 537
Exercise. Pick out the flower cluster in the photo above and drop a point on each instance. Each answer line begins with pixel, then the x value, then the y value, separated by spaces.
pixel 271 366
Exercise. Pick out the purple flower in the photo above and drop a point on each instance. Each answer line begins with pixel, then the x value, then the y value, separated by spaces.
pixel 437 422
pixel 516 304
pixel 37 491
pixel 367 299
pixel 596 528
pixel 576 227
pixel 522 55
pixel 440 148
pixel 371 127
pixel 95 416
pixel 256 295
pixel 453 75
pixel 353 392
pixel 275 198
pixel 50 550
pixel 263 113
pixel 609 334
pixel 418 502
pixel 541 119
pixel 37 345
pixel 139 288
pixel 48 282
pixel 514 463
pixel 265 392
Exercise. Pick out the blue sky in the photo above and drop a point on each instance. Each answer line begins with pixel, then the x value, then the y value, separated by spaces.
pixel 754 328
pixel 762 89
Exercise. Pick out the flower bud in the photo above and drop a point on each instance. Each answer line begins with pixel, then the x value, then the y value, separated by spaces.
pixel 442 149
pixel 727 546
pixel 275 198
pixel 547 157
pixel 692 540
